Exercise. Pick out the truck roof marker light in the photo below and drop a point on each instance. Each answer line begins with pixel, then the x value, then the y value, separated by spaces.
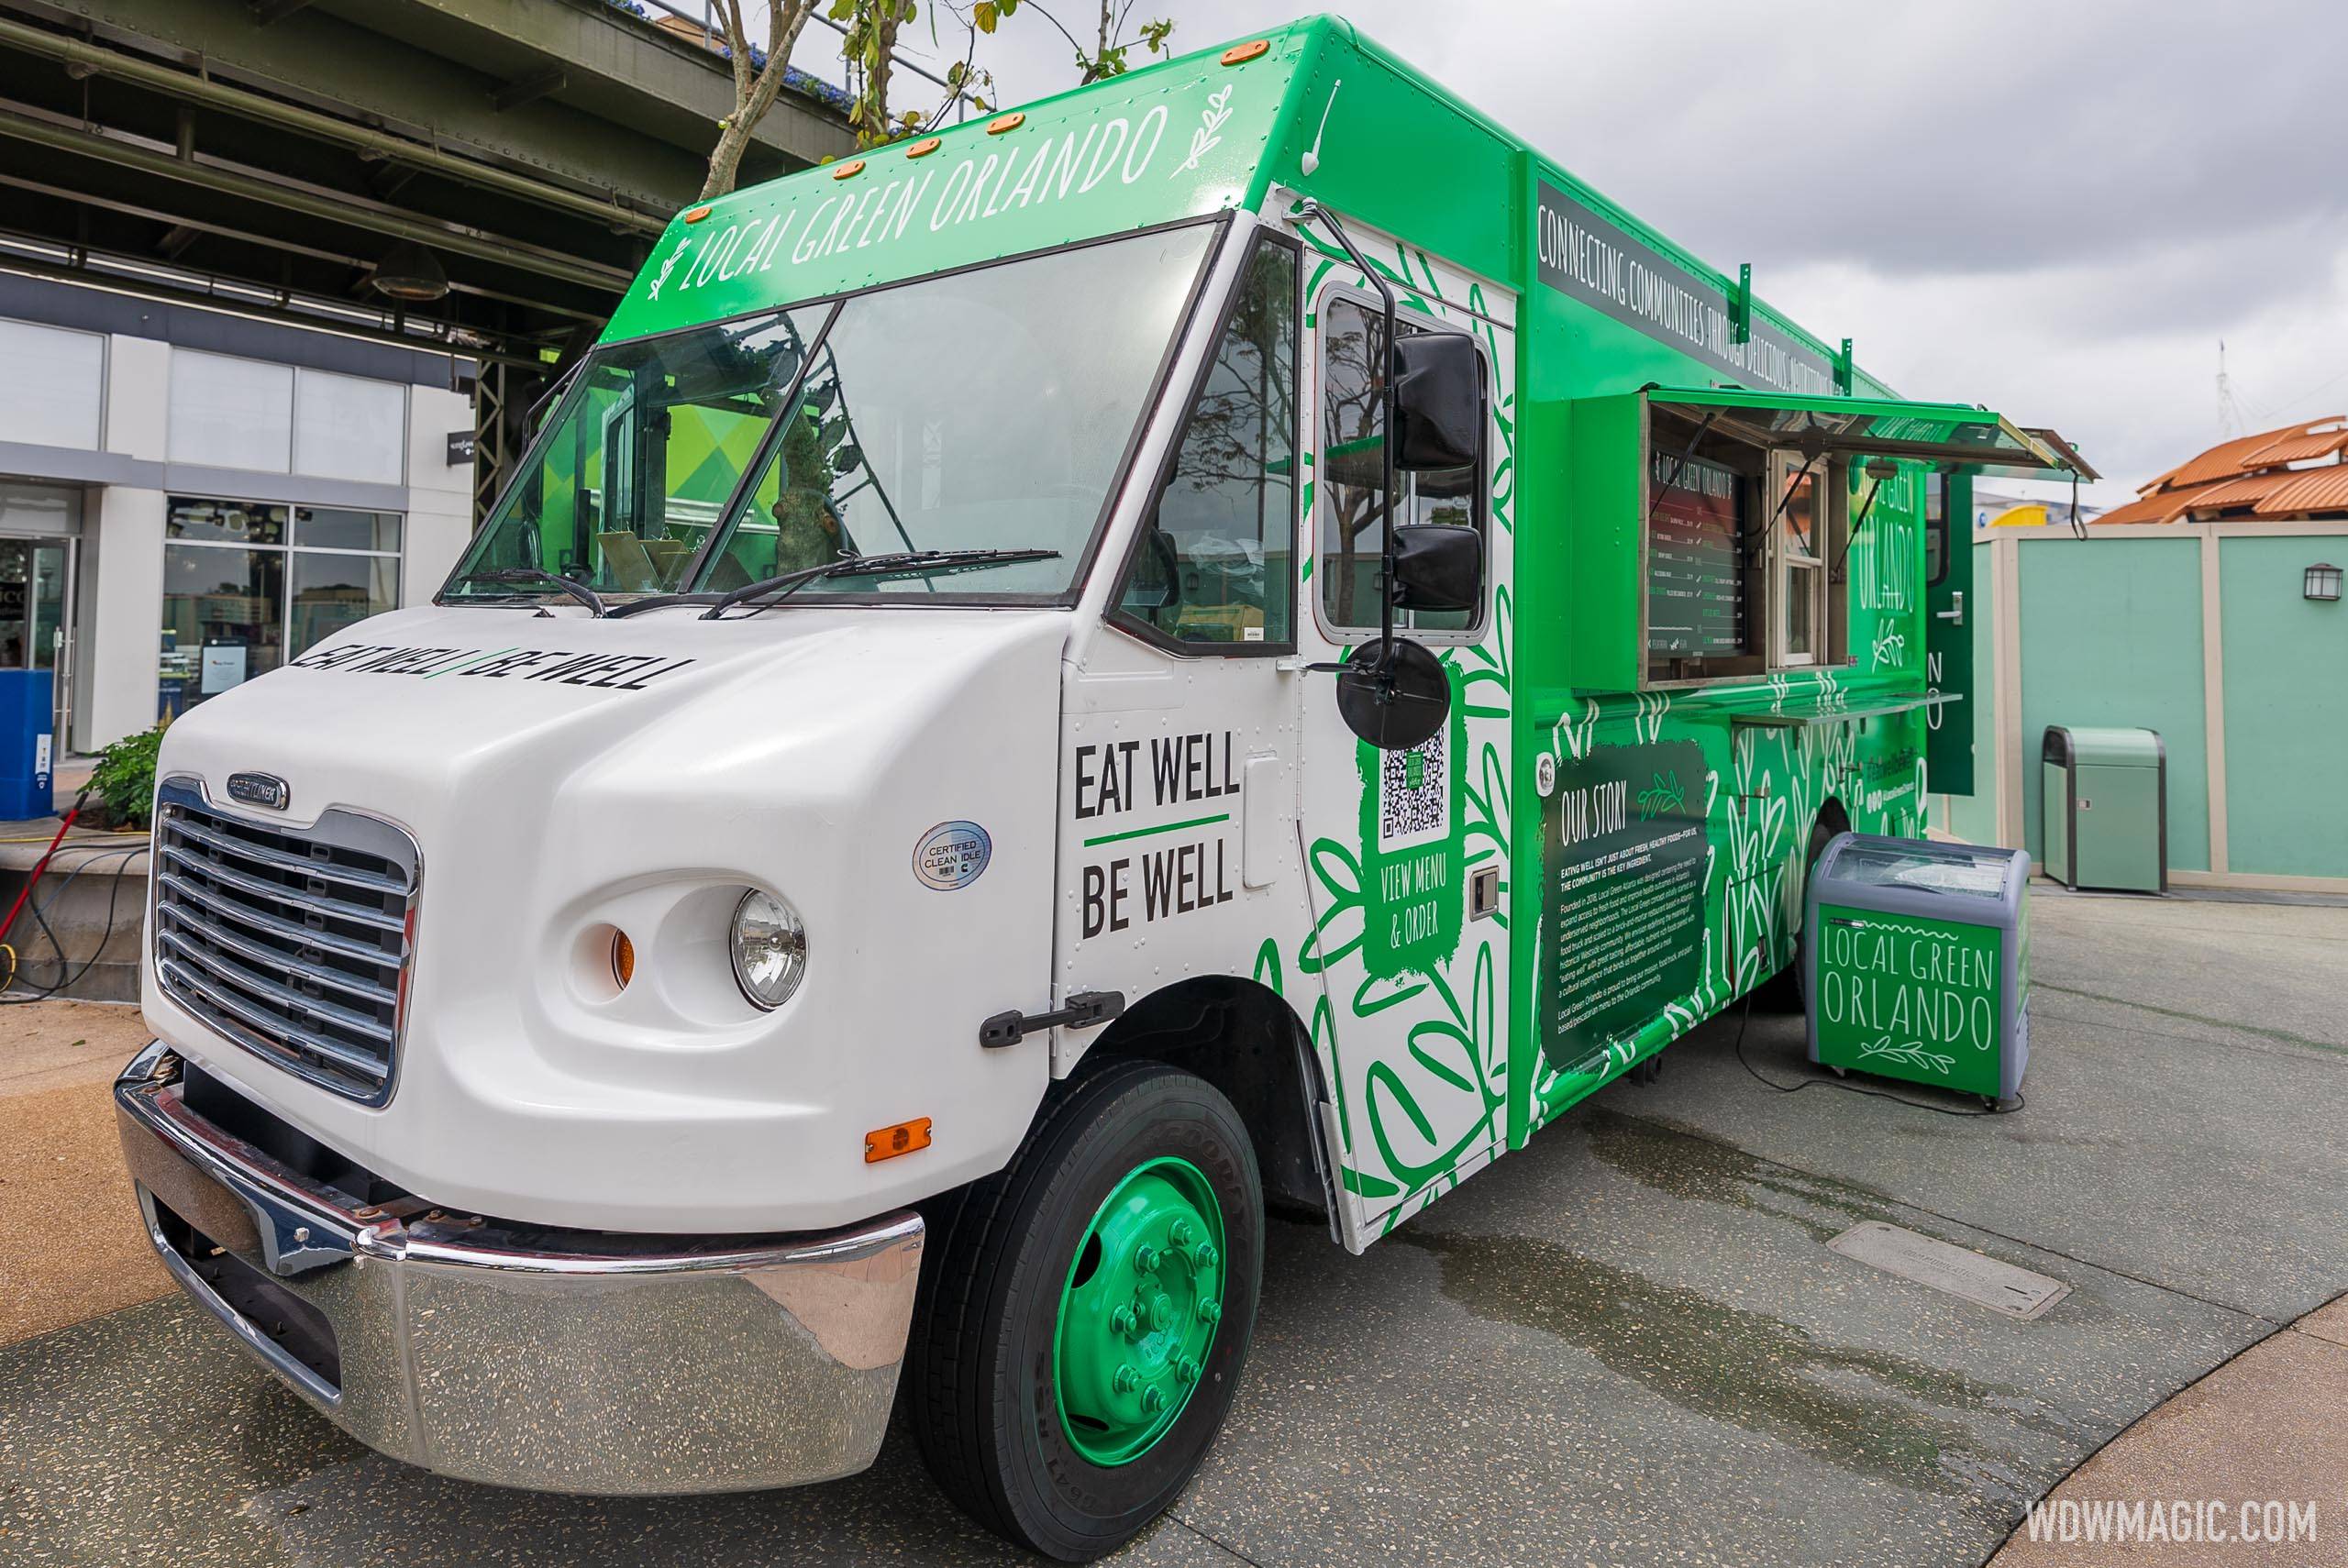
pixel 849 170
pixel 1003 123
pixel 1240 54
pixel 697 215
pixel 904 1137
pixel 924 147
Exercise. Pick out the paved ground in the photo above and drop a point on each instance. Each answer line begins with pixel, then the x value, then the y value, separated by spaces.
pixel 1626 1344
pixel 61 1168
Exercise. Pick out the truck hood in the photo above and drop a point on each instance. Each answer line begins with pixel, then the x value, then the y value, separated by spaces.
pixel 565 779
pixel 420 695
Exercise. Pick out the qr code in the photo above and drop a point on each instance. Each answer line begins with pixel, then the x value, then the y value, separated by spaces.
pixel 1414 793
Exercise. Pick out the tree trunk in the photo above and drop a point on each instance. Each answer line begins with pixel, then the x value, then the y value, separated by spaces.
pixel 726 159
pixel 753 94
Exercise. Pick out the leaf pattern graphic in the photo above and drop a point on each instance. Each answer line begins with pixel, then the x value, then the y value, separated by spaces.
pixel 1208 130
pixel 1911 1055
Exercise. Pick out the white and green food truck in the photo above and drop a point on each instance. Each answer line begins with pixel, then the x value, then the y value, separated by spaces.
pixel 938 796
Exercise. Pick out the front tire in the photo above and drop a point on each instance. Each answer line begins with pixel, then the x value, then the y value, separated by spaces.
pixel 1084 1319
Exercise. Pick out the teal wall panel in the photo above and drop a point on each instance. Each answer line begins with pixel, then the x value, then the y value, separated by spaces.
pixel 2287 707
pixel 2111 635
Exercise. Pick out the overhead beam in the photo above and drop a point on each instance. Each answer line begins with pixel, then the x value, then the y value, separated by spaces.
pixel 92 59
pixel 179 221
pixel 266 12
pixel 150 288
pixel 528 90
pixel 326 207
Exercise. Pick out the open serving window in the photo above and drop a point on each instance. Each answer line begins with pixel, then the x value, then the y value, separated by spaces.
pixel 1713 523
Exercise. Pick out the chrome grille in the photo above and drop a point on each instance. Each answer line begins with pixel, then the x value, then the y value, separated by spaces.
pixel 294 943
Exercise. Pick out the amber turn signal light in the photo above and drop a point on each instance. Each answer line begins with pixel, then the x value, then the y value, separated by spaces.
pixel 697 215
pixel 903 1139
pixel 924 147
pixel 1240 54
pixel 623 958
pixel 849 170
pixel 1003 123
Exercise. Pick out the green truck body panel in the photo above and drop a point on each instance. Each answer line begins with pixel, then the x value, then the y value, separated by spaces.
pixel 1604 307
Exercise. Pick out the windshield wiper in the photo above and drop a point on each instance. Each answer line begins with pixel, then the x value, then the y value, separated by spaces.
pixel 578 590
pixel 898 564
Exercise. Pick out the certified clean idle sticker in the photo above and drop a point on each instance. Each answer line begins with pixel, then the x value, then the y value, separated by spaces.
pixel 951 855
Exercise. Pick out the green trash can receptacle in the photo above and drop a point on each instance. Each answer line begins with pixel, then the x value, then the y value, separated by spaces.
pixel 1916 962
pixel 2106 807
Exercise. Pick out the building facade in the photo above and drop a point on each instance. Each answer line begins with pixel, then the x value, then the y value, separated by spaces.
pixel 189 497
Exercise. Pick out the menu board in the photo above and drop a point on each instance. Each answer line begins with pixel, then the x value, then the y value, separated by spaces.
pixel 1695 604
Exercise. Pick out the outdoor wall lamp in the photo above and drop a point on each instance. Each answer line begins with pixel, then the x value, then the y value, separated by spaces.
pixel 2322 581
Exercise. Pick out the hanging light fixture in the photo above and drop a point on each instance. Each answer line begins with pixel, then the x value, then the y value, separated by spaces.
pixel 2322 581
pixel 410 273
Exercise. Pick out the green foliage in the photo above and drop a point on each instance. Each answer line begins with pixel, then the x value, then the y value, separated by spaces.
pixel 1111 59
pixel 124 777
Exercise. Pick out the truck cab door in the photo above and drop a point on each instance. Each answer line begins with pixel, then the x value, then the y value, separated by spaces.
pixel 1179 741
pixel 1407 852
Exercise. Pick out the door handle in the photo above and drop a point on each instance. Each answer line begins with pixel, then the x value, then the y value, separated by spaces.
pixel 1955 611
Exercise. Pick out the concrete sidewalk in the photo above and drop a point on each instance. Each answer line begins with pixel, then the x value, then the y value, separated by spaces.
pixel 2263 1434
pixel 71 1245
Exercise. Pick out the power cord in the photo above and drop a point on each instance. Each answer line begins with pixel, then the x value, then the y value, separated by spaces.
pixel 1746 1017
pixel 68 977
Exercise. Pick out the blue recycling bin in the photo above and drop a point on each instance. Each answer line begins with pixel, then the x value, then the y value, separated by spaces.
pixel 26 705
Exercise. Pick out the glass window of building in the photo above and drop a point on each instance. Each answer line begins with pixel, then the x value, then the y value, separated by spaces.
pixel 247 585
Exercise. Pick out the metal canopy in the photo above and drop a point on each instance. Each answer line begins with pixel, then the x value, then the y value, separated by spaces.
pixel 2053 442
pixel 1873 427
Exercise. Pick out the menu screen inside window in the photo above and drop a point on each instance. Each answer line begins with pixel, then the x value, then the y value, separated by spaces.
pixel 1698 604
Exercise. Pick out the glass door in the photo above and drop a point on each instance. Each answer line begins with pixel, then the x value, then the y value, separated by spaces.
pixel 35 615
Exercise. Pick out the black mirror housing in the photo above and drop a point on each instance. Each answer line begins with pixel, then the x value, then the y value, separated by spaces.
pixel 1438 400
pixel 1438 566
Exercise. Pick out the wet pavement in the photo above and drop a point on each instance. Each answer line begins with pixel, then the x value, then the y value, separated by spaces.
pixel 1625 1344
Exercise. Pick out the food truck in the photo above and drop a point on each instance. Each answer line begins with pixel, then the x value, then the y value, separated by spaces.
pixel 1235 640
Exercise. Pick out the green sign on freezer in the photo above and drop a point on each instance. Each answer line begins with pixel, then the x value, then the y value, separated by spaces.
pixel 1908 997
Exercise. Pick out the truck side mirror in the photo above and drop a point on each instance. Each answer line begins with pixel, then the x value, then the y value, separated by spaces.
pixel 1438 400
pixel 1438 566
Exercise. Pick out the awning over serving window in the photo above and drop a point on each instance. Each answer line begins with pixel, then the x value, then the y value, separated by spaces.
pixel 1875 427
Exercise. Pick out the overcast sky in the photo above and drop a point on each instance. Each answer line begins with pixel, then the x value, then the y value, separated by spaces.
pixel 2056 208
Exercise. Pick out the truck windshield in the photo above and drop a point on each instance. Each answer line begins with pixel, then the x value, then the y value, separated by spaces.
pixel 983 409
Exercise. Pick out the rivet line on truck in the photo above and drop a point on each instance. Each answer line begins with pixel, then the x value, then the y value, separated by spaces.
pixel 1235 640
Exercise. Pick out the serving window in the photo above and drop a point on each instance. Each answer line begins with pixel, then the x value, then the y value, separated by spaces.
pixel 1736 546
pixel 1711 526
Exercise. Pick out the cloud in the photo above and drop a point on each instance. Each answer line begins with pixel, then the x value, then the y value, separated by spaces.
pixel 2057 207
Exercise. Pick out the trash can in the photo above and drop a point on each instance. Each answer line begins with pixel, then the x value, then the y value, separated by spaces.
pixel 1916 962
pixel 25 745
pixel 2106 799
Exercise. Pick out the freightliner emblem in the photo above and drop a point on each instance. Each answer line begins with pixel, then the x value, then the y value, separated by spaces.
pixel 260 790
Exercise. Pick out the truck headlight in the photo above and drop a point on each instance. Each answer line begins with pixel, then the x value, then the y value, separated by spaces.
pixel 769 949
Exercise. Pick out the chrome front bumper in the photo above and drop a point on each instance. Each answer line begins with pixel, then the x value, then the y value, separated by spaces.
pixel 554 1360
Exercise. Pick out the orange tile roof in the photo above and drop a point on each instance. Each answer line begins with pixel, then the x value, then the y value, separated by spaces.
pixel 2223 460
pixel 2264 449
pixel 2308 491
pixel 2158 506
pixel 2310 441
pixel 2243 490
